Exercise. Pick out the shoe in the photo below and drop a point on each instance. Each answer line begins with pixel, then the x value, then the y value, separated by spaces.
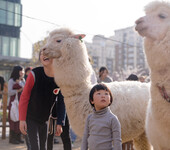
pixel 19 139
pixel 12 138
pixel 13 141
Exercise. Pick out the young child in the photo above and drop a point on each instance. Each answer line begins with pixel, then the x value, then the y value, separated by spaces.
pixel 102 126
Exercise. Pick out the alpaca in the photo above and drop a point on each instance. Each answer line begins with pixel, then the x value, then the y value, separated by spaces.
pixel 72 71
pixel 155 28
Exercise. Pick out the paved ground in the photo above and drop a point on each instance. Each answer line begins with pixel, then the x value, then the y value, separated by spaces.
pixel 4 145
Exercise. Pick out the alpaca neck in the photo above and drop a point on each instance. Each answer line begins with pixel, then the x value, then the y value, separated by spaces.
pixel 72 90
pixel 77 104
pixel 157 53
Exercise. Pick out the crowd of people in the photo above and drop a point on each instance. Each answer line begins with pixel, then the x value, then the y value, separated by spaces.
pixel 42 112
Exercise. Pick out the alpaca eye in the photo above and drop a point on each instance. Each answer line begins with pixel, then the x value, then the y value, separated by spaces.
pixel 162 16
pixel 58 41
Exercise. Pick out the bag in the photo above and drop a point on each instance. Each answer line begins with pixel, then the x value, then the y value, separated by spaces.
pixel 51 125
pixel 52 121
pixel 14 113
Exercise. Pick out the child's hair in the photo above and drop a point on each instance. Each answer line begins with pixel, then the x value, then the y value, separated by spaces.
pixel 98 87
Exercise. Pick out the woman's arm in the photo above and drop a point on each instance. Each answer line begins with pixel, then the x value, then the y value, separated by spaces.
pixel 11 91
pixel 23 103
pixel 25 96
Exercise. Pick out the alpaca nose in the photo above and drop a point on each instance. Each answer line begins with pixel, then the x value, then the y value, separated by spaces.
pixel 140 20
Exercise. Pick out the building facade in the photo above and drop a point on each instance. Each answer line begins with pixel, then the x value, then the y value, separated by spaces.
pixel 129 50
pixel 10 24
pixel 122 51
pixel 102 52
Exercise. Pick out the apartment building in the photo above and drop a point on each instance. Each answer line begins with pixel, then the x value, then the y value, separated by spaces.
pixel 102 52
pixel 123 50
pixel 129 52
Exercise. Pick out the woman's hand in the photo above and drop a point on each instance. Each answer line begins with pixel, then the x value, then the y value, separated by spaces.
pixel 59 130
pixel 23 127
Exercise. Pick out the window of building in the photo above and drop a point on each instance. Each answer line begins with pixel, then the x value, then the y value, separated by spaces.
pixel 109 64
pixel 18 48
pixel 95 62
pixel 5 46
pixel 9 46
pixel 17 15
pixel 10 14
pixel 3 12
pixel 0 46
pixel 13 46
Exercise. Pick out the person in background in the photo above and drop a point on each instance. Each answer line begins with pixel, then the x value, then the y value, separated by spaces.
pixel 102 126
pixel 104 75
pixel 38 96
pixel 2 81
pixel 132 77
pixel 15 86
pixel 27 71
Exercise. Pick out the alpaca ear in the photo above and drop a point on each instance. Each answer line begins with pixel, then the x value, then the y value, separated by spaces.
pixel 78 36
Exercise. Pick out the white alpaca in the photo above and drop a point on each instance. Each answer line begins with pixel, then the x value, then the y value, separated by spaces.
pixel 72 74
pixel 155 27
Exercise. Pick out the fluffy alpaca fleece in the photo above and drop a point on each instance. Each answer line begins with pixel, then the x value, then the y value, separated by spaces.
pixel 155 27
pixel 72 73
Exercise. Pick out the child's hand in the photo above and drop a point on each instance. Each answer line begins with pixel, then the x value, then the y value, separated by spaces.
pixel 59 130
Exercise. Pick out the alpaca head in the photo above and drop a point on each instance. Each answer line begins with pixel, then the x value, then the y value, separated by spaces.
pixel 70 55
pixel 156 23
pixel 59 40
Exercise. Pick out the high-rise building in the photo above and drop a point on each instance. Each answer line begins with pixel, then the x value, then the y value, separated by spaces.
pixel 102 52
pixel 122 51
pixel 129 52
pixel 10 24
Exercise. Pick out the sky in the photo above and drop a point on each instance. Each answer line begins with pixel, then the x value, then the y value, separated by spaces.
pixel 90 17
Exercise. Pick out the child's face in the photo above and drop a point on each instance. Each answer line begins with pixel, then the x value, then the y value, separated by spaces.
pixel 101 99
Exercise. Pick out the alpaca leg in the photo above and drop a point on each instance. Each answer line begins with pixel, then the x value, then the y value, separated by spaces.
pixel 141 143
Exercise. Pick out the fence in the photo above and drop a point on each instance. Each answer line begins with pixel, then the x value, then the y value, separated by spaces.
pixel 5 97
pixel 127 146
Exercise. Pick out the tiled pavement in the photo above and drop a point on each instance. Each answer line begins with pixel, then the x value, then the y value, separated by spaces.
pixel 5 145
